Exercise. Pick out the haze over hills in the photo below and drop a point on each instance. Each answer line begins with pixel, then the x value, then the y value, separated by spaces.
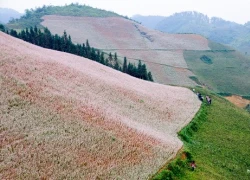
pixel 215 29
pixel 64 112
pixel 8 14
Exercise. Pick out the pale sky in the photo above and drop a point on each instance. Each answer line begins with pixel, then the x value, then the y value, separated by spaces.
pixel 231 10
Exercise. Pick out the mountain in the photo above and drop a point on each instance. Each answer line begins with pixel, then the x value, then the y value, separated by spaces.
pixel 215 29
pixel 64 116
pixel 148 21
pixel 8 14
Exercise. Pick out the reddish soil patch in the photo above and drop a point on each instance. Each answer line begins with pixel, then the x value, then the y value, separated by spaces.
pixel 238 101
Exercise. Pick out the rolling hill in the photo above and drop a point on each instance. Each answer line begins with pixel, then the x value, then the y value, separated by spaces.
pixel 215 29
pixel 64 116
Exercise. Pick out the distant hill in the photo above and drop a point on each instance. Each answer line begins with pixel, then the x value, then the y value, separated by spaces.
pixel 215 29
pixel 148 21
pixel 33 17
pixel 8 14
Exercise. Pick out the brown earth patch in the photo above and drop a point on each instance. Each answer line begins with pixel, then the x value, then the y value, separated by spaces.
pixel 238 101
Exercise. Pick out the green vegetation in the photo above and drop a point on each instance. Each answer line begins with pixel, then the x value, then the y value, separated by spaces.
pixel 63 43
pixel 248 108
pixel 228 73
pixel 217 140
pixel 195 79
pixel 32 17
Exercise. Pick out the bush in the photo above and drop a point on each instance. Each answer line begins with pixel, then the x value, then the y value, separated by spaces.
pixel 206 59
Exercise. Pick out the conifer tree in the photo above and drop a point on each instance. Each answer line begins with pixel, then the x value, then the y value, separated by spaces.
pixel 125 66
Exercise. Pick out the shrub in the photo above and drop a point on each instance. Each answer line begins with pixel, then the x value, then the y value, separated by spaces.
pixel 206 59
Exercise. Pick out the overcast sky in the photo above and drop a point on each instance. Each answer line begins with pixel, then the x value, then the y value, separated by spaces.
pixel 232 10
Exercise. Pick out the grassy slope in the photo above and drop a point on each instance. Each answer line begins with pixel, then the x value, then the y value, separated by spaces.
pixel 228 73
pixel 220 146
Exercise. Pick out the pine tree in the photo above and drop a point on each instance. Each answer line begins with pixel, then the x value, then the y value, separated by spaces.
pixel 125 66
pixel 64 41
pixel 102 60
pixel 116 62
pixel 144 73
pixel 88 49
pixel 150 77
pixel 2 28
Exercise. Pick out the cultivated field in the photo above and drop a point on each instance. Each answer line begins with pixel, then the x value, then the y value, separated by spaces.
pixel 130 39
pixel 63 116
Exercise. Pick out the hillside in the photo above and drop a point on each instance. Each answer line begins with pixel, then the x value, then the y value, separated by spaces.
pixel 215 29
pixel 162 53
pixel 218 140
pixel 65 116
pixel 172 58
pixel 7 14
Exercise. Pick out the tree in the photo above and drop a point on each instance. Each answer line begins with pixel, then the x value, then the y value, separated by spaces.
pixel 88 49
pixel 2 28
pixel 102 60
pixel 116 62
pixel 64 41
pixel 125 66
pixel 150 77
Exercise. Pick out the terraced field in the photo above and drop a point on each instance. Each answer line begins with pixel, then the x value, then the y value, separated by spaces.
pixel 161 52
pixel 63 116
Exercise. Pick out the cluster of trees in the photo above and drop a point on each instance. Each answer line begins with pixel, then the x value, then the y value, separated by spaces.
pixel 63 43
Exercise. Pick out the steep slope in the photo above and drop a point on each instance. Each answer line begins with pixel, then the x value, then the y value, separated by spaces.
pixel 63 116
pixel 163 53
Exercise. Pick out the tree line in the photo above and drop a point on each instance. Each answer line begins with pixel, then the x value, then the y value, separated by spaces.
pixel 44 38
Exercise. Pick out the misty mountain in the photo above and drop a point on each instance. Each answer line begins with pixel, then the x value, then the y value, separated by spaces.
pixel 215 29
pixel 7 14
